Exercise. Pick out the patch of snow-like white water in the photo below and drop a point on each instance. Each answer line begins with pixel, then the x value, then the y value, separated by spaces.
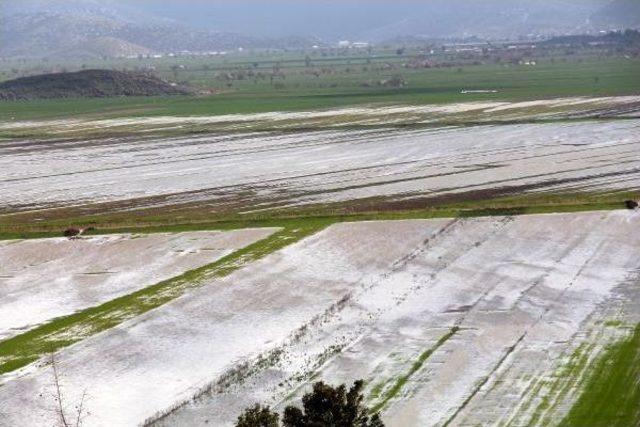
pixel 325 166
pixel 343 115
pixel 42 279
pixel 362 300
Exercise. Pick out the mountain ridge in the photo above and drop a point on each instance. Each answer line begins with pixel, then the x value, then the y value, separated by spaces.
pixel 108 28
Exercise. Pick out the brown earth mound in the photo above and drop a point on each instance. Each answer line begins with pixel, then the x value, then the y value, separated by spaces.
pixel 88 84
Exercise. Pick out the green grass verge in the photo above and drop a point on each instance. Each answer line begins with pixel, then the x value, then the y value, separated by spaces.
pixel 23 226
pixel 616 76
pixel 611 395
pixel 30 346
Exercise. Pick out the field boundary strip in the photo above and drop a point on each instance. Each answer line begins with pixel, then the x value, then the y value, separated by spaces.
pixel 400 382
pixel 504 205
pixel 24 349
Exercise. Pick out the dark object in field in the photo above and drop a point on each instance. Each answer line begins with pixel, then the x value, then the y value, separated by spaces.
pixel 631 204
pixel 75 233
pixel 87 84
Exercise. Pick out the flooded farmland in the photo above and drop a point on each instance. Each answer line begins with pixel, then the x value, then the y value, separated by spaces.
pixel 319 214
pixel 251 172
pixel 56 277
pixel 451 322
pixel 489 308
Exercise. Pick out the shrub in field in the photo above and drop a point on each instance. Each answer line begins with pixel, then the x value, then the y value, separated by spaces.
pixel 329 406
pixel 258 416
pixel 325 406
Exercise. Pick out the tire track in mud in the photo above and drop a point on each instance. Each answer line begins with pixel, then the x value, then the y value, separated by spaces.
pixel 551 304
pixel 328 324
pixel 239 374
pixel 293 197
pixel 304 186
pixel 513 347
pixel 498 225
pixel 484 380
pixel 548 410
pixel 599 330
pixel 548 183
pixel 132 145
pixel 202 156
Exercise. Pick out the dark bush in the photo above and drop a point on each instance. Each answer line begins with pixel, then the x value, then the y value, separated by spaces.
pixel 258 416
pixel 325 406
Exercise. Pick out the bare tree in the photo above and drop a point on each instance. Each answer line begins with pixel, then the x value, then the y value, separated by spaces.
pixel 65 420
pixel 175 69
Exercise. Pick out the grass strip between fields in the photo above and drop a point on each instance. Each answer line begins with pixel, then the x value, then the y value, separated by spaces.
pixel 611 394
pixel 23 227
pixel 30 346
pixel 21 350
pixel 616 76
pixel 93 131
pixel 483 381
pixel 415 367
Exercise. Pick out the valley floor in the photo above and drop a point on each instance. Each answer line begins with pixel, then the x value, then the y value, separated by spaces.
pixel 461 312
pixel 249 171
pixel 476 321
pixel 57 277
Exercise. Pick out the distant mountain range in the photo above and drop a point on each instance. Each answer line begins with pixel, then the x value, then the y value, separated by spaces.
pixel 93 29
pixel 107 28
pixel 618 14
pixel 492 19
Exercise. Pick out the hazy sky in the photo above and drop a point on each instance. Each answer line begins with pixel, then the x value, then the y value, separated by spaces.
pixel 267 16
pixel 342 18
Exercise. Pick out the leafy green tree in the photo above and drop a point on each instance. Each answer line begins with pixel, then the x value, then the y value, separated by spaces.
pixel 258 416
pixel 327 406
